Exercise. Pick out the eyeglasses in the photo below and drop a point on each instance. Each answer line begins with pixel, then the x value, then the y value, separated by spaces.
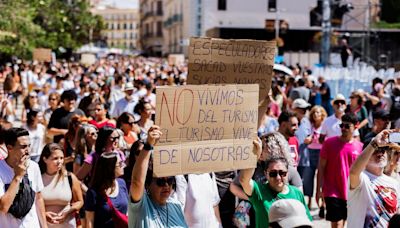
pixel 113 139
pixel 52 99
pixel 274 173
pixel 33 96
pixel 345 125
pixel 165 180
pixel 93 134
pixel 130 123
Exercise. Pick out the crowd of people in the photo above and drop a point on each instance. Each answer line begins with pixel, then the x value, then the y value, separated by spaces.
pixel 83 154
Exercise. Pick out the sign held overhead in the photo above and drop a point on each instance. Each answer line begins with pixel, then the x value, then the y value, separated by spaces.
pixel 205 128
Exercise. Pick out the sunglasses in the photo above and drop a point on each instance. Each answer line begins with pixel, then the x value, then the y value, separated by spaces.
pixel 345 125
pixel 130 123
pixel 162 181
pixel 339 103
pixel 33 96
pixel 113 139
pixel 275 173
pixel 93 134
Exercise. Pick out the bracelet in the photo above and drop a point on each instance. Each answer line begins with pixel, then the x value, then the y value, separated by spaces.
pixel 374 144
pixel 147 147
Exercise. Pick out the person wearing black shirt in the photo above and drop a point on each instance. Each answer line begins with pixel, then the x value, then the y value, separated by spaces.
pixel 58 124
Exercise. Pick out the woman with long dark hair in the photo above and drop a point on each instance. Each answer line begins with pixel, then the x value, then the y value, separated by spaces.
pixel 107 190
pixel 86 137
pixel 144 109
pixel 107 142
pixel 62 192
pixel 126 122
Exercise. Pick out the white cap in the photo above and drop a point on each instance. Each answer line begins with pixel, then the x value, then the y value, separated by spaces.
pixel 339 97
pixel 289 213
pixel 300 103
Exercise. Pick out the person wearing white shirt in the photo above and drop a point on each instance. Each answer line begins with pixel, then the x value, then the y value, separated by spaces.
pixel 13 170
pixel 198 194
pixel 126 104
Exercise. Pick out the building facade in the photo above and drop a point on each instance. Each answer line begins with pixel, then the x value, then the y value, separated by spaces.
pixel 121 26
pixel 151 26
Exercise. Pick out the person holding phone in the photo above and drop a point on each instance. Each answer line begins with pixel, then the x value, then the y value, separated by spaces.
pixel 374 197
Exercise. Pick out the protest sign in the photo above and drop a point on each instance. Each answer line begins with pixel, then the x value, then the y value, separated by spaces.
pixel 205 128
pixel 176 59
pixel 219 61
pixel 42 54
pixel 88 59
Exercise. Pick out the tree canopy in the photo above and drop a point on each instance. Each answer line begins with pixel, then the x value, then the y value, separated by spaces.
pixel 27 24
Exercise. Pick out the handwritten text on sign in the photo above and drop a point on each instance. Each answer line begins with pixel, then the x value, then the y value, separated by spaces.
pixel 219 61
pixel 205 128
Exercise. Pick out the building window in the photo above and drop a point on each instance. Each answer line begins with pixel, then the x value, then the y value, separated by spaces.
pixel 131 26
pixel 112 26
pixel 221 4
pixel 271 5
pixel 159 8
pixel 159 28
pixel 118 26
pixel 125 26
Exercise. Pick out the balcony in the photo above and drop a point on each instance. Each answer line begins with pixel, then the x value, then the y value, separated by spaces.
pixel 176 18
pixel 152 13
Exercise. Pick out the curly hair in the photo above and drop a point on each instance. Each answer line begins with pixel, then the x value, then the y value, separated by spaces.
pixel 274 144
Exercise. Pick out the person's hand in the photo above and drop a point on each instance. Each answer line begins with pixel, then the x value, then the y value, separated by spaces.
pixel 51 217
pixel 21 166
pixel 4 103
pixel 308 140
pixel 257 149
pixel 153 135
pixel 61 217
pixel 382 139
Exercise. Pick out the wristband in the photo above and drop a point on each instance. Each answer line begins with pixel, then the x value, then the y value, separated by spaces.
pixel 374 144
pixel 147 147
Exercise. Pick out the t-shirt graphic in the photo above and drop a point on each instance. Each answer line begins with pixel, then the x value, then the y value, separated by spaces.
pixel 385 205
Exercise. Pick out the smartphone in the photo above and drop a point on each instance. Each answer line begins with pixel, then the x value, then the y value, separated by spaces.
pixel 394 137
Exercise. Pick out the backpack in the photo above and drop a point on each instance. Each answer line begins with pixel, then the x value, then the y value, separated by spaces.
pixel 395 108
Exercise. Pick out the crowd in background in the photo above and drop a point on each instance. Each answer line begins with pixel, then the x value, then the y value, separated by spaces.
pixel 87 132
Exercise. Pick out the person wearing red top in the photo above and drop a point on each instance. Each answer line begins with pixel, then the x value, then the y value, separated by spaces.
pixel 100 115
pixel 288 125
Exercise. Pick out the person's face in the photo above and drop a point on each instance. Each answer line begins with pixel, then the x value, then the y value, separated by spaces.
pixel 147 110
pixel 317 115
pixel 161 189
pixel 53 102
pixel 113 140
pixel 382 124
pixel 99 111
pixel 378 159
pixel 347 128
pixel 129 125
pixel 395 158
pixel 55 161
pixel 39 117
pixel 91 136
pixel 354 100
pixel 69 104
pixel 277 175
pixel 20 148
pixel 129 93
pixel 33 99
pixel 339 106
pixel 119 167
pixel 291 126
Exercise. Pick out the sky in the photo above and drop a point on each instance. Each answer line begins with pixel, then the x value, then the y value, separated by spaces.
pixel 123 3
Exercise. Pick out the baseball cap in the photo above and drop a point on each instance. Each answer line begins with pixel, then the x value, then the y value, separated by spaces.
pixel 300 103
pixel 289 213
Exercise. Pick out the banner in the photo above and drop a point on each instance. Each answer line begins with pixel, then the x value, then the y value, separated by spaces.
pixel 206 128
pixel 176 59
pixel 218 61
pixel 42 54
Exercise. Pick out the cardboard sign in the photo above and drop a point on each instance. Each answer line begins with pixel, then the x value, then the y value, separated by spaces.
pixel 205 128
pixel 42 55
pixel 176 59
pixel 88 59
pixel 218 61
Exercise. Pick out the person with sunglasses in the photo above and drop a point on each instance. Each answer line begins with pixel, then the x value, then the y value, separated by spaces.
pixel 100 116
pixel 374 197
pixel 107 142
pixel 336 157
pixel 106 190
pixel 151 204
pixel 263 194
pixel 330 127
pixel 126 122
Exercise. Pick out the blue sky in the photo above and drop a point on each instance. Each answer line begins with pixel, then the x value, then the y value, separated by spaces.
pixel 123 3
